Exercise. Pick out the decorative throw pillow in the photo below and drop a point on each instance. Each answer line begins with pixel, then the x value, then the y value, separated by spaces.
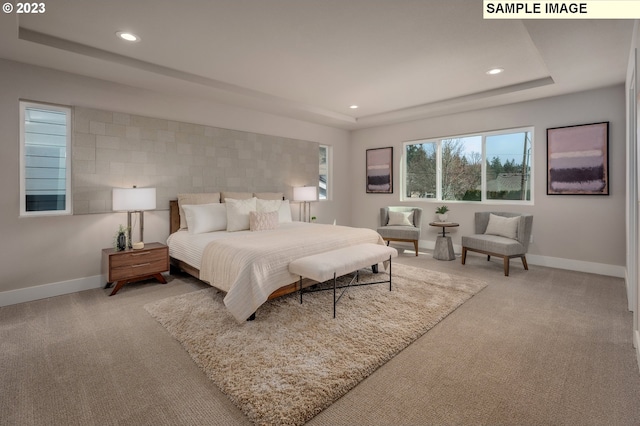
pixel 268 195
pixel 205 217
pixel 238 213
pixel 197 198
pixel 264 206
pixel 400 218
pixel 284 212
pixel 503 226
pixel 263 221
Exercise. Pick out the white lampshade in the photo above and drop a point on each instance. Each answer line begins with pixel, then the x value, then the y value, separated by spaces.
pixel 134 199
pixel 305 193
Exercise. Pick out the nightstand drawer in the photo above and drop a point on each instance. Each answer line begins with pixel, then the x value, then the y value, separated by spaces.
pixel 135 258
pixel 137 270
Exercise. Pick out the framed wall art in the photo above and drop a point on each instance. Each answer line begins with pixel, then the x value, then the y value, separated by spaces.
pixel 578 160
pixel 380 170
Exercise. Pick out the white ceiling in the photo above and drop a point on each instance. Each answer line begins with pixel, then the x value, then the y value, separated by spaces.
pixel 311 59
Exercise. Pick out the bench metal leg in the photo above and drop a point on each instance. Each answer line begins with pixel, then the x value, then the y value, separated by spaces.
pixel 389 273
pixel 355 281
pixel 301 290
pixel 334 294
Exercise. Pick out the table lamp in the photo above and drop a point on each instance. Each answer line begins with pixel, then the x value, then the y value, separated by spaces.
pixel 134 200
pixel 305 194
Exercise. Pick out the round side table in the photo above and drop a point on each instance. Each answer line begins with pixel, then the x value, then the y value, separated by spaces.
pixel 444 246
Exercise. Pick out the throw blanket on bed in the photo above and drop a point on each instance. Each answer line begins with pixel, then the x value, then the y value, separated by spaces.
pixel 251 267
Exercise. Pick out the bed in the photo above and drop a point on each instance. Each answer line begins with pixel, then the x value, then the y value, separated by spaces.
pixel 252 267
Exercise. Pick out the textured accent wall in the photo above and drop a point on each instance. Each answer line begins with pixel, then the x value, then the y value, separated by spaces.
pixel 112 149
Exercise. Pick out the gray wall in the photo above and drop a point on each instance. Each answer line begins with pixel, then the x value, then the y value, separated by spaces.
pixel 567 228
pixel 114 149
pixel 67 249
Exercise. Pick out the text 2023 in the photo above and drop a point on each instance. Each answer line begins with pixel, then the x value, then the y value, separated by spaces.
pixel 30 7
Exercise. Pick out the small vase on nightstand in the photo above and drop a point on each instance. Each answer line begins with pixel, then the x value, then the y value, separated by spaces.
pixel 122 241
pixel 443 217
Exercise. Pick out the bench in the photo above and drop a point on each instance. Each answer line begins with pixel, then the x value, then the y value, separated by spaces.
pixel 332 264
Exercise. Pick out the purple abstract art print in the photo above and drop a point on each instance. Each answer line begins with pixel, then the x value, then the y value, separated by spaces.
pixel 577 160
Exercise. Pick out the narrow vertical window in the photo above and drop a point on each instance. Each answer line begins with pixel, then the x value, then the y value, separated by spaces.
pixel 323 183
pixel 45 141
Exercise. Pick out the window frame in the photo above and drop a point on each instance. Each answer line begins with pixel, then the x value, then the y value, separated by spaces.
pixel 484 201
pixel 23 105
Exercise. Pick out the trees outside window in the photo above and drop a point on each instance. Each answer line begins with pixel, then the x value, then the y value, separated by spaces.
pixel 483 167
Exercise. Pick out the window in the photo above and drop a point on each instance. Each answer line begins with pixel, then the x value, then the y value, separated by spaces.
pixel 45 163
pixel 492 167
pixel 323 184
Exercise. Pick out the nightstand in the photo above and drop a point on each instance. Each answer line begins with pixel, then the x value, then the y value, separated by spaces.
pixel 126 266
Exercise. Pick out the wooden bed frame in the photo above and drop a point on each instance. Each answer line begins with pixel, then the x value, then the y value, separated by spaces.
pixel 174 225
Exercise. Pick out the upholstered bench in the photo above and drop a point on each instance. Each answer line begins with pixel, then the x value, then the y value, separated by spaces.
pixel 322 267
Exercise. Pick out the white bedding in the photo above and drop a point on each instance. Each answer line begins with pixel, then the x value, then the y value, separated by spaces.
pixel 249 266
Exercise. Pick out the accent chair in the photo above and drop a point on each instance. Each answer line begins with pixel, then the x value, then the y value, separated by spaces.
pixel 500 234
pixel 401 224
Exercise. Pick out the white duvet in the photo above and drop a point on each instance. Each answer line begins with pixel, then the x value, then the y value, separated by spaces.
pixel 249 266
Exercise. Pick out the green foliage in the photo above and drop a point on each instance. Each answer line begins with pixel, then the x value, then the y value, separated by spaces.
pixel 442 210
pixel 461 172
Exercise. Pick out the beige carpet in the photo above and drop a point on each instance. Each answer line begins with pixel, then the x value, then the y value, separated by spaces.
pixel 295 360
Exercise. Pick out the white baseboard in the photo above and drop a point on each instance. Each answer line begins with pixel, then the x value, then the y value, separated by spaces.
pixel 13 297
pixel 551 262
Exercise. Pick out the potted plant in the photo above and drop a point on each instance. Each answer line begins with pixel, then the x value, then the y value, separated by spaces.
pixel 313 219
pixel 442 213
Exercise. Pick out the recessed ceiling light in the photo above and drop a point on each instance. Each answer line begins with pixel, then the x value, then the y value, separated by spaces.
pixel 128 36
pixel 354 107
pixel 494 71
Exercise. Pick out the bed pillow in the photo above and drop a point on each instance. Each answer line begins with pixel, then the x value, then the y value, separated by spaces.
pixel 235 195
pixel 268 195
pixel 400 218
pixel 197 198
pixel 205 217
pixel 503 226
pixel 265 206
pixel 263 221
pixel 284 212
pixel 238 213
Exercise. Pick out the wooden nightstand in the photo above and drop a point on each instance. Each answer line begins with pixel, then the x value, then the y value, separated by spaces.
pixel 122 267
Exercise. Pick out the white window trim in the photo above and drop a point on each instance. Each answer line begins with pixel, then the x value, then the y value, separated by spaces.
pixel 23 202
pixel 484 135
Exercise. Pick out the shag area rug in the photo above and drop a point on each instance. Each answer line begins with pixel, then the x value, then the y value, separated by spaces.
pixel 295 359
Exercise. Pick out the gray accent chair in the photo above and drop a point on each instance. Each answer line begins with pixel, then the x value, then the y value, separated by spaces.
pixel 495 245
pixel 399 232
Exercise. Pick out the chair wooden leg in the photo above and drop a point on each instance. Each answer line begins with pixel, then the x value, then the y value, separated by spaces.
pixel 524 262
pixel 464 255
pixel 506 266
pixel 415 244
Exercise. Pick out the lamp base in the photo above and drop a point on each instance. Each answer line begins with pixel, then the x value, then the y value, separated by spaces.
pixel 137 246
